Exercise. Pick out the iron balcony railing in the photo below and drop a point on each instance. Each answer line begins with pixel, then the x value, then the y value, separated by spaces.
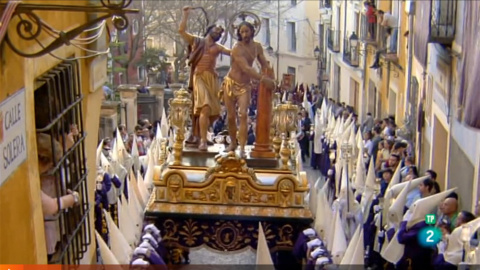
pixel 368 31
pixel 333 40
pixel 386 37
pixel 351 52
pixel 443 16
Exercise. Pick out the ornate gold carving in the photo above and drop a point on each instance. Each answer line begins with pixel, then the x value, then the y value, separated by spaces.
pixel 230 163
pixel 227 235
pixel 229 182
pixel 190 232
pixel 285 235
pixel 237 210
pixel 286 189
pixel 174 187
pixel 180 113
pixel 230 188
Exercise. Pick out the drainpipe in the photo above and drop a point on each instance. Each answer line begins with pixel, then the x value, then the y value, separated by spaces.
pixel 410 55
pixel 278 40
pixel 388 85
pixel 365 88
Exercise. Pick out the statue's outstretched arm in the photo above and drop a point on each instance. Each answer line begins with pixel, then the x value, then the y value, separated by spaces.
pixel 225 50
pixel 189 38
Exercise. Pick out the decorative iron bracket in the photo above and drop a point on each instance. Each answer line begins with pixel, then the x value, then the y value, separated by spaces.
pixel 30 25
pixel 390 65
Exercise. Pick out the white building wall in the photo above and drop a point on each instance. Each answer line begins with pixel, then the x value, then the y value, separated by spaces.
pixel 343 19
pixel 304 14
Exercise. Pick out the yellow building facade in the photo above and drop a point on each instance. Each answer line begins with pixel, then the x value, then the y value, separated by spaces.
pixel 22 230
pixel 419 93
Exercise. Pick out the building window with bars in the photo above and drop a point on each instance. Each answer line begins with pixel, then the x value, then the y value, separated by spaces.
pixel 62 163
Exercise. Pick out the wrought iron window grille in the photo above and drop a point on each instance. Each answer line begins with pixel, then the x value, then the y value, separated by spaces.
pixel 30 26
pixel 58 105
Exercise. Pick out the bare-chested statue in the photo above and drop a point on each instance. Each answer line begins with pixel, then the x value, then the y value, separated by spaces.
pixel 203 58
pixel 237 84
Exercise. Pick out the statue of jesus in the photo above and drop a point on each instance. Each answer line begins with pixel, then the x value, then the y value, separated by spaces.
pixel 237 86
pixel 203 58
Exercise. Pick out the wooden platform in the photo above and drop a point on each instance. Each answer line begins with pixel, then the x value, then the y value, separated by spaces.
pixel 195 158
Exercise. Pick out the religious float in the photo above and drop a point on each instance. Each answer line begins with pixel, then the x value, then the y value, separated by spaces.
pixel 216 199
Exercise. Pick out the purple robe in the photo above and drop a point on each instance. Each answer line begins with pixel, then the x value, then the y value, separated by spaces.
pixel 415 256
pixel 440 263
pixel 300 247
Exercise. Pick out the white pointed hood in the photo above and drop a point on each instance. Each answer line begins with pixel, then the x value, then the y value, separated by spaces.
pixel 339 245
pixel 351 247
pixel 454 251
pixel 99 153
pixel 142 188
pixel 346 192
pixel 358 257
pixel 135 154
pixel 125 222
pixel 425 206
pixel 360 174
pixel 371 177
pixel 263 252
pixel 119 244
pixel 135 210
pixel 164 123
pixel 323 213
pixel 149 174
pixel 313 198
pixel 359 139
pixel 108 258
pixel 395 212
pixel 393 191
pixel 394 250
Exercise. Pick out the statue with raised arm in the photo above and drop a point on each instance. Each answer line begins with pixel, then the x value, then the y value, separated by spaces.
pixel 204 79
pixel 237 84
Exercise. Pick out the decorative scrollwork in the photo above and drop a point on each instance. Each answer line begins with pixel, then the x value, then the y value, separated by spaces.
pixel 227 235
pixel 29 29
pixel 116 4
pixel 120 22
pixel 30 25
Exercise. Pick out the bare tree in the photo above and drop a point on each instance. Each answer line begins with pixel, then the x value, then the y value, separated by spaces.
pixel 125 49
pixel 167 16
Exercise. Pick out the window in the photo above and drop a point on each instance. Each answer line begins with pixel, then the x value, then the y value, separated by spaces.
pixel 266 33
pixel 58 106
pixel 337 83
pixel 120 77
pixel 355 94
pixel 293 2
pixel 321 37
pixel 141 73
pixel 292 44
pixel 135 27
pixel 149 42
pixel 291 70
pixel 356 18
pixel 372 98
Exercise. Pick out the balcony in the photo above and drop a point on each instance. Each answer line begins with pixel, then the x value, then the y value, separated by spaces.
pixel 333 40
pixel 351 49
pixel 368 31
pixel 327 4
pixel 442 21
